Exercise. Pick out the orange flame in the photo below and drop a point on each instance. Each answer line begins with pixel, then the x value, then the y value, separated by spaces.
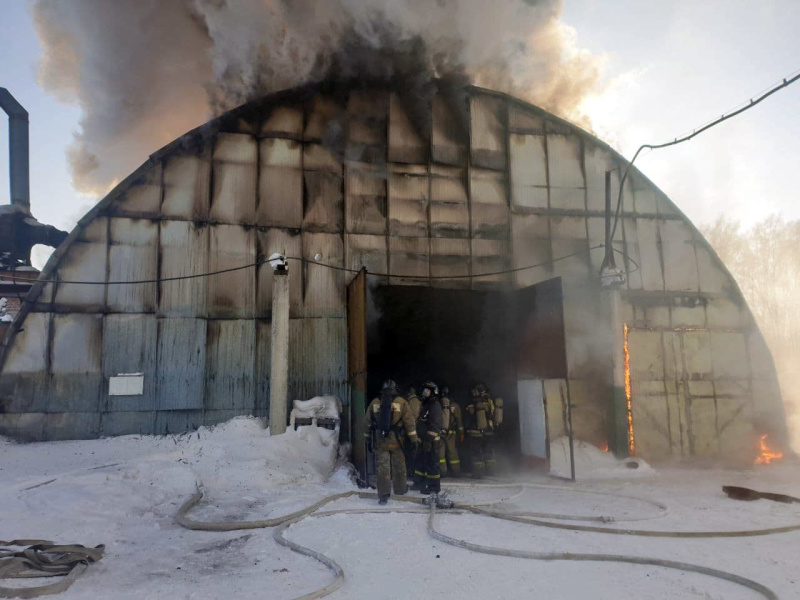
pixel 628 396
pixel 605 447
pixel 767 454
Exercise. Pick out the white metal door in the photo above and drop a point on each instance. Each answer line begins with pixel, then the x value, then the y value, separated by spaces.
pixel 532 420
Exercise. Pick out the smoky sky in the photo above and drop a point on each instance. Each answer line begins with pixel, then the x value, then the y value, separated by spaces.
pixel 146 71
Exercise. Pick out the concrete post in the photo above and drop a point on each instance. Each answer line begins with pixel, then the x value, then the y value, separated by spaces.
pixel 619 403
pixel 279 362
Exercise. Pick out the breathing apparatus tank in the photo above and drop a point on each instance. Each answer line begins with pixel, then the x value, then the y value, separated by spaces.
pixel 388 394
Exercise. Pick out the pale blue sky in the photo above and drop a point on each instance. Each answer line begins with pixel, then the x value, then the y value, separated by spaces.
pixel 670 66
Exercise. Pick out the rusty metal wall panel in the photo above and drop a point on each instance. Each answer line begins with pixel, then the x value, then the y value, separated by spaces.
pixel 528 171
pixel 324 204
pixel 449 131
pixel 488 118
pixel 262 369
pixel 366 208
pixel 325 117
pixel 407 142
pixel 408 201
pixel 235 171
pixel 230 365
pixel 319 368
pixel 76 377
pixel 280 195
pixel 132 256
pixel 289 243
pixel 187 180
pixel 370 251
pixel 85 261
pixel 409 257
pixel 323 288
pixel 184 251
pixel 130 343
pixel 368 113
pixel 143 198
pixel 284 121
pixel 650 265
pixel 729 355
pixel 530 238
pixel 231 295
pixel 181 363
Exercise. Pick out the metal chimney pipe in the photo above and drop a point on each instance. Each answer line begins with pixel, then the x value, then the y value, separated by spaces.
pixel 18 160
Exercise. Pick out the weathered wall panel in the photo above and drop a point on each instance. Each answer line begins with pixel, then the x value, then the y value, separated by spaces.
pixel 323 288
pixel 186 187
pixel 235 171
pixel 143 199
pixel 450 127
pixel 230 365
pixel 409 191
pixel 528 171
pixel 280 184
pixel 181 363
pixel 366 208
pixel 76 378
pixel 288 243
pixel 184 251
pixel 231 295
pixel 132 256
pixel 130 343
pixel 408 142
pixel 319 368
pixel 86 261
pixel 488 132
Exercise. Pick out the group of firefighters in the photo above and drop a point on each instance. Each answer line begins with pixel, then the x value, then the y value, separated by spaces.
pixel 426 432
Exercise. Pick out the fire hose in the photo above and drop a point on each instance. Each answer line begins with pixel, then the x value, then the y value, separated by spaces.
pixel 285 522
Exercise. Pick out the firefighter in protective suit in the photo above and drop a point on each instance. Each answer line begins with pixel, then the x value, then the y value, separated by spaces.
pixel 496 420
pixel 453 427
pixel 389 419
pixel 430 430
pixel 478 425
pixel 412 451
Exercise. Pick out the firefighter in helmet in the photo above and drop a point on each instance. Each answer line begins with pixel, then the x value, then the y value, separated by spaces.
pixel 390 420
pixel 453 426
pixel 429 425
pixel 412 451
pixel 479 429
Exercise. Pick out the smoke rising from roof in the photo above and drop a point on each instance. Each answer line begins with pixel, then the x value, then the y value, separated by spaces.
pixel 146 71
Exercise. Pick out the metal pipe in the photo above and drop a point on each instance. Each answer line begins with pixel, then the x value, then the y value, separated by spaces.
pixel 18 158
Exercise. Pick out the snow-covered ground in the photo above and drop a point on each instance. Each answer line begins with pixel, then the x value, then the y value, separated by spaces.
pixel 124 492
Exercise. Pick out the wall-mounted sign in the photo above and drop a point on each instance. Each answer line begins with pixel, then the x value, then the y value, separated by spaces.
pixel 126 384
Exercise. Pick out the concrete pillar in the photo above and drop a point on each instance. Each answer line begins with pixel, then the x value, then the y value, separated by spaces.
pixel 279 362
pixel 619 443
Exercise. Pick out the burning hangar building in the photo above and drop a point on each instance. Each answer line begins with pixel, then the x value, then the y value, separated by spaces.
pixel 457 237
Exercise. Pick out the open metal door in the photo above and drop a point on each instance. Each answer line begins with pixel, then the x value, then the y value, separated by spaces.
pixel 357 367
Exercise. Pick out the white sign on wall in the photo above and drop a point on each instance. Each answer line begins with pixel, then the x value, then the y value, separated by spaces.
pixel 126 384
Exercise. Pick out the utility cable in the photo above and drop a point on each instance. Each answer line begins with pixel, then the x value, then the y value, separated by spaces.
pixel 786 82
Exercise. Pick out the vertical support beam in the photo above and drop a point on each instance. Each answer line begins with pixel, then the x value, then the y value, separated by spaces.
pixel 619 407
pixel 279 363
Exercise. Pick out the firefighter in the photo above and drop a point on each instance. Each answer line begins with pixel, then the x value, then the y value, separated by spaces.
pixel 478 424
pixel 430 431
pixel 453 427
pixel 489 436
pixel 412 451
pixel 389 419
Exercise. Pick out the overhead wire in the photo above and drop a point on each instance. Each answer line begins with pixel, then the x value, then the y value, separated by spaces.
pixel 744 106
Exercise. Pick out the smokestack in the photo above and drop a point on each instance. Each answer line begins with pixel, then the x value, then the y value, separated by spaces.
pixel 18 165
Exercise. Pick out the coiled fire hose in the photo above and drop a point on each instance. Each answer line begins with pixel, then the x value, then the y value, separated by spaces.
pixel 284 522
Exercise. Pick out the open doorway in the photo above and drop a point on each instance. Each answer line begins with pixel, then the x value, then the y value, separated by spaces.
pixel 457 337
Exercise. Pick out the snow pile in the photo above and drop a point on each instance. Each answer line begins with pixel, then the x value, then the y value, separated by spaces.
pixel 593 463
pixel 319 409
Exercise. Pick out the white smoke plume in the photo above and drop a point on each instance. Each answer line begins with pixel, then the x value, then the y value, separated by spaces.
pixel 146 71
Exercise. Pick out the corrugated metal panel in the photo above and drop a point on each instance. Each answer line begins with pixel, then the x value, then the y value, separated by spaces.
pixel 697 354
pixel 488 133
pixel 724 313
pixel 729 355
pixel 325 117
pixel 366 199
pixel 568 198
pixel 409 256
pixel 564 161
pixel 125 423
pixel 407 143
pixel 288 243
pixel 76 379
pixel 589 412
pixel 323 288
pixel 370 251
pixel 528 171
pixel 262 372
pixel 521 119
pixel 737 438
pixel 129 346
pixel 489 256
pixel 144 198
pixel 181 363
pixel 368 113
pixel 28 427
pixel 324 202
pixel 569 239
pixel 184 251
pixel 28 354
pixel 320 158
pixel 319 368
pixel 530 235
pixel 235 171
pixel 680 265
pixel 644 200
pixel 177 421
pixel 652 426
pixel 703 426
pixel 284 121
pixel 490 221
pixel 186 187
pixel 231 295
pixel 449 135
pixel 72 425
pixel 488 187
pixel 596 162
pixel 133 256
pixel 647 356
pixel 449 219
pixel 230 365
pixel 634 275
pixel 408 202
pixel 280 201
pixel 711 277
pixel 86 261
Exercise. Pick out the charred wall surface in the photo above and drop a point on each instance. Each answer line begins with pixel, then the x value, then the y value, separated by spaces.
pixel 482 183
